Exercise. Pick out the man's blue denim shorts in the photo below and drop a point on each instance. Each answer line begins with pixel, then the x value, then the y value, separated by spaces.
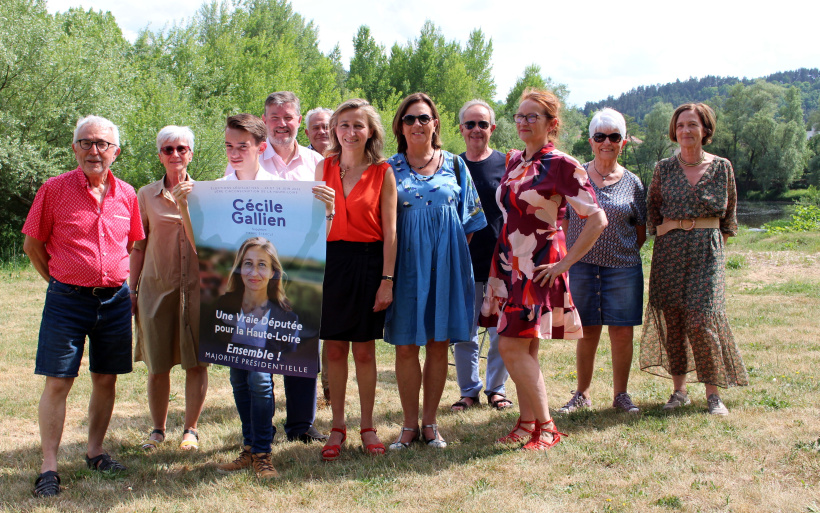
pixel 607 296
pixel 71 314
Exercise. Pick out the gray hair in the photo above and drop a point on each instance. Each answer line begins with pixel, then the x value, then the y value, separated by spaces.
pixel 607 119
pixel 98 122
pixel 172 133
pixel 283 97
pixel 473 103
pixel 317 110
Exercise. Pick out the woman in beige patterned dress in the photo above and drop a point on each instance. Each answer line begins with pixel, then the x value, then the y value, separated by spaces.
pixel 692 201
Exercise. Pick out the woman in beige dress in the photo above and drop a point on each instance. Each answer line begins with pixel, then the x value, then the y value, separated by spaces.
pixel 165 288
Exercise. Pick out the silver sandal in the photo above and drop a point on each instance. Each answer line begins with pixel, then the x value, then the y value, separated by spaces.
pixel 435 442
pixel 398 445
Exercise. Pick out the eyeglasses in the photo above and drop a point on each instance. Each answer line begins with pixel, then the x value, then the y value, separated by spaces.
pixel 531 118
pixel 102 146
pixel 169 150
pixel 469 125
pixel 599 137
pixel 410 119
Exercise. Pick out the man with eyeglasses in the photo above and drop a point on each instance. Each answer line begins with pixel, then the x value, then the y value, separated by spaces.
pixel 285 159
pixel 79 233
pixel 487 167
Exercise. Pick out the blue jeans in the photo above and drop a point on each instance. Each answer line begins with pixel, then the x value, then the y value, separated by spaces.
pixel 253 394
pixel 467 358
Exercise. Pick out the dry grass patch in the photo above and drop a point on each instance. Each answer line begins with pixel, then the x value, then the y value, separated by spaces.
pixel 763 457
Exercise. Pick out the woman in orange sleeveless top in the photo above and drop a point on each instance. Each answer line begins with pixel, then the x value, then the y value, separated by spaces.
pixel 361 252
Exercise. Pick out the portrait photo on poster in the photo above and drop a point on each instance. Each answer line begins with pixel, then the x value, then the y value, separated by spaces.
pixel 261 250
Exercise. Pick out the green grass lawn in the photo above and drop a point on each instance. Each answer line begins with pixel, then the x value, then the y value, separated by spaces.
pixel 765 456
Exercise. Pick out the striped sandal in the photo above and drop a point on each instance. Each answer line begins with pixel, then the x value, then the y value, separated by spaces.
pixel 190 445
pixel 150 444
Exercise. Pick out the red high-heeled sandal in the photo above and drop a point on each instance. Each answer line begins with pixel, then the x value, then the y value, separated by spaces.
pixel 377 448
pixel 332 452
pixel 536 443
pixel 512 437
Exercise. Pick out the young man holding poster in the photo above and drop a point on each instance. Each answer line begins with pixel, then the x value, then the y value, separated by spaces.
pixel 253 309
pixel 285 159
pixel 245 141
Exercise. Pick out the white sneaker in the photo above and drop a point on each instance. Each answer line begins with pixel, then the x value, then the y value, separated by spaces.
pixel 716 406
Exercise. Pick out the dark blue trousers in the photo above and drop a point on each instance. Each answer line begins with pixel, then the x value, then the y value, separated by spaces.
pixel 300 405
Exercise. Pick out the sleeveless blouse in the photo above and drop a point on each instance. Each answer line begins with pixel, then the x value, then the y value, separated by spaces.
pixel 359 216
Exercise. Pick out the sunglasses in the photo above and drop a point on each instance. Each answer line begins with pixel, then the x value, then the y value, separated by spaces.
pixel 410 119
pixel 469 125
pixel 169 150
pixel 599 137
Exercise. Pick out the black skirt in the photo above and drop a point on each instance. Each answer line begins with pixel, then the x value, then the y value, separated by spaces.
pixel 353 273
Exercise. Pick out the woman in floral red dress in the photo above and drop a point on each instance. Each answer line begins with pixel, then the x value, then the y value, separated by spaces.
pixel 692 211
pixel 527 292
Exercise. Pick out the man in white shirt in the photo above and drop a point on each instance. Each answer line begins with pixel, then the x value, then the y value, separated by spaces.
pixel 283 157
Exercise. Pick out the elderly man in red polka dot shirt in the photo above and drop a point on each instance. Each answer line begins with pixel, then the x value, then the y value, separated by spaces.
pixel 79 232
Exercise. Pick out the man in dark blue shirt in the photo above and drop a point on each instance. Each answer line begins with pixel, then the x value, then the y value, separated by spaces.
pixel 477 122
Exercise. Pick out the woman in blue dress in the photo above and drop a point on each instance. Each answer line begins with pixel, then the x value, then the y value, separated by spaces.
pixel 438 210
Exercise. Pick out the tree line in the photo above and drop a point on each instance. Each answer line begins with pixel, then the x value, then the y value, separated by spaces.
pixel 231 55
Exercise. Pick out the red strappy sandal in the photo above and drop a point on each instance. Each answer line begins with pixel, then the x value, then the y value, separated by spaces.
pixel 538 444
pixel 372 448
pixel 512 437
pixel 332 452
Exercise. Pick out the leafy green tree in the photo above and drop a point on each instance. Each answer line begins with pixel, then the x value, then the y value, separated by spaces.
pixel 368 68
pixel 813 166
pixel 655 145
pixel 477 57
pixel 53 70
pixel 761 130
pixel 442 69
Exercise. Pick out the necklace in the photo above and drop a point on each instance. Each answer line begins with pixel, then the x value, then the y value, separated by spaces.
pixel 603 177
pixel 691 164
pixel 422 167
pixel 529 160
pixel 343 170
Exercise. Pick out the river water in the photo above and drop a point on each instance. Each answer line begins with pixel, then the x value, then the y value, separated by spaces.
pixel 756 213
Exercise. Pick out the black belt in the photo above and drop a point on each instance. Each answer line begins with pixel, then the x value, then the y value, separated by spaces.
pixel 97 291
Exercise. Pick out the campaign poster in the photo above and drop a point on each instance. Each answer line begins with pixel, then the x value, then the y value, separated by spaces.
pixel 261 248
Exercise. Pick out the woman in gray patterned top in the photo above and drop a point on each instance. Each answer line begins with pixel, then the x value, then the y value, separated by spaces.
pixel 607 284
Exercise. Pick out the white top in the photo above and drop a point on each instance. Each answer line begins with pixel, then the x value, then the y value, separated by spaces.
pixel 261 174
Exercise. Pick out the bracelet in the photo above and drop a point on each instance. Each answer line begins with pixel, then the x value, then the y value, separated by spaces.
pixel 331 216
pixel 135 292
pixel 387 278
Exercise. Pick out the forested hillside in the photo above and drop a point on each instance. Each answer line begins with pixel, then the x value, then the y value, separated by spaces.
pixel 640 100
pixel 229 56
